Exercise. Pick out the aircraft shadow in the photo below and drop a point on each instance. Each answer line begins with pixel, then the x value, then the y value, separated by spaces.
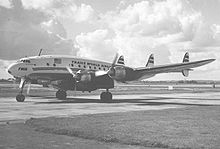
pixel 140 102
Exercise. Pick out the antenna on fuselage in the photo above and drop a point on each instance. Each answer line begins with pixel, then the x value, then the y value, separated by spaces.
pixel 40 52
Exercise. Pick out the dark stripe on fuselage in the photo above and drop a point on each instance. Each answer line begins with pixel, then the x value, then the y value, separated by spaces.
pixel 49 68
pixel 57 68
pixel 50 76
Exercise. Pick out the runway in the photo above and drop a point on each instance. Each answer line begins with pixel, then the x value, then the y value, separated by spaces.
pixel 36 107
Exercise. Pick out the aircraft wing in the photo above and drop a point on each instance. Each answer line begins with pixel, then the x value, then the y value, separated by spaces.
pixel 179 67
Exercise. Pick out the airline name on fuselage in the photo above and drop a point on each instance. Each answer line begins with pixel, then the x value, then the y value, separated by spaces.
pixel 62 64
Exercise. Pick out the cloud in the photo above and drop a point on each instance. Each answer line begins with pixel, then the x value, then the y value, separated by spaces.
pixel 5 3
pixel 65 9
pixel 95 45
pixel 162 27
pixel 166 28
pixel 25 31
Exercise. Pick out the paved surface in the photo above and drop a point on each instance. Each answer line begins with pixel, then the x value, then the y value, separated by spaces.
pixel 10 110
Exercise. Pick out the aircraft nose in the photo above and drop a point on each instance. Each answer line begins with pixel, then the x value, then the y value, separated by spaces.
pixel 10 69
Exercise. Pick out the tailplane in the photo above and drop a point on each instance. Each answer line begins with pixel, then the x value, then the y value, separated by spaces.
pixel 150 62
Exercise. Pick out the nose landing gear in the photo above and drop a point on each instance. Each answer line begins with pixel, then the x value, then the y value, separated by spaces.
pixel 20 97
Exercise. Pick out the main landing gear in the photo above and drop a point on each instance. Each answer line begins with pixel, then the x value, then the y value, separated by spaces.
pixel 61 94
pixel 20 97
pixel 106 96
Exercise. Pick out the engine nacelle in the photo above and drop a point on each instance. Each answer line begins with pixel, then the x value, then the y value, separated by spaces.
pixel 120 73
pixel 88 81
pixel 86 77
pixel 68 84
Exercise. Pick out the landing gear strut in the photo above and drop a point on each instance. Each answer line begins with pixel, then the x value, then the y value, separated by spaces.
pixel 106 96
pixel 60 94
pixel 20 97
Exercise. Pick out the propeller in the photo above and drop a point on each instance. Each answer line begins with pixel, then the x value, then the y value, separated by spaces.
pixel 111 71
pixel 28 88
pixel 71 72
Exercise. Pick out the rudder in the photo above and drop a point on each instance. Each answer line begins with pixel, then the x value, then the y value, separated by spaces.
pixel 150 62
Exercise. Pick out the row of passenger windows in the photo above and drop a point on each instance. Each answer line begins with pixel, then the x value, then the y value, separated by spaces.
pixel 90 67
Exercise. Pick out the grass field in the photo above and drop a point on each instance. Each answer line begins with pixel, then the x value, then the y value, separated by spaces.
pixel 194 127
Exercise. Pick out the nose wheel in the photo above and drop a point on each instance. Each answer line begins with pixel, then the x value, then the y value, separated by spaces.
pixel 60 94
pixel 106 96
pixel 20 98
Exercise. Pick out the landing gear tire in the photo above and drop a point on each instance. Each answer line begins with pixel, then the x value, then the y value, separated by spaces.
pixel 106 97
pixel 20 98
pixel 60 94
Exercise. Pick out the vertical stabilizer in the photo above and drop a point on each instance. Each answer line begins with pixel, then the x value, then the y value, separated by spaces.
pixel 186 57
pixel 185 60
pixel 121 60
pixel 150 62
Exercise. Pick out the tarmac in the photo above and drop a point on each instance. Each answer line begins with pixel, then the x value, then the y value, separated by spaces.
pixel 36 107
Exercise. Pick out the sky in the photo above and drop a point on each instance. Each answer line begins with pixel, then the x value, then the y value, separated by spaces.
pixel 97 29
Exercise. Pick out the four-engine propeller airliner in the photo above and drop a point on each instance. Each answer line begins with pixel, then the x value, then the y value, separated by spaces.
pixel 77 74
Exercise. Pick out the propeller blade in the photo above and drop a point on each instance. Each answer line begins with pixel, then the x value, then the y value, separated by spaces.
pixel 115 60
pixel 100 73
pixel 71 72
pixel 29 88
pixel 111 70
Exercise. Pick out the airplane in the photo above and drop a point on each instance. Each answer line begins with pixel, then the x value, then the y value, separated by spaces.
pixel 80 74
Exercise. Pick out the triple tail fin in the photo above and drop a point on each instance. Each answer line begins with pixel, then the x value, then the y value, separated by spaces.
pixel 185 60
pixel 121 60
pixel 150 62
